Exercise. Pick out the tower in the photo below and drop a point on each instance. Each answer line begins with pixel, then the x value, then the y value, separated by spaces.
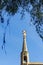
pixel 24 53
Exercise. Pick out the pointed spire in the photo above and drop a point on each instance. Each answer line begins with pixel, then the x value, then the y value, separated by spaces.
pixel 24 41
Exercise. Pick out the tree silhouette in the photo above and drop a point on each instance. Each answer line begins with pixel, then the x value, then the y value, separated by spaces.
pixel 34 7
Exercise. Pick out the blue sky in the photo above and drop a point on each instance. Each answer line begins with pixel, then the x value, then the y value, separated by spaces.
pixel 14 41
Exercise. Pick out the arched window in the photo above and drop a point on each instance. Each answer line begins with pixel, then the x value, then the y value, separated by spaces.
pixel 25 58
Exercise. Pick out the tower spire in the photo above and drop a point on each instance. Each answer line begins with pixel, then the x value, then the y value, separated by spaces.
pixel 24 53
pixel 24 41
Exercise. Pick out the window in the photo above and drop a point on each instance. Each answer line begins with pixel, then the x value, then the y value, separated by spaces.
pixel 25 58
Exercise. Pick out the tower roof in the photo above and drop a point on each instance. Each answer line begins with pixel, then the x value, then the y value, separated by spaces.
pixel 24 41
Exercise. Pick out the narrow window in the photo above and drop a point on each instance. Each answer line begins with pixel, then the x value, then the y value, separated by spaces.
pixel 25 58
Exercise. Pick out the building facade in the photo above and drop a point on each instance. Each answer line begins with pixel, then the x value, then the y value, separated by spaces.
pixel 25 53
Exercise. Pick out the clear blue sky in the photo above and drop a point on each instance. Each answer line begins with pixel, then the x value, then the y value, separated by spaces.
pixel 14 41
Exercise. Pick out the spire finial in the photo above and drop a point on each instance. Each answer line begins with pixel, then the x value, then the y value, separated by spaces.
pixel 24 33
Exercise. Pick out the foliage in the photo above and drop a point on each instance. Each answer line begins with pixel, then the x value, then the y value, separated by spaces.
pixel 35 7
